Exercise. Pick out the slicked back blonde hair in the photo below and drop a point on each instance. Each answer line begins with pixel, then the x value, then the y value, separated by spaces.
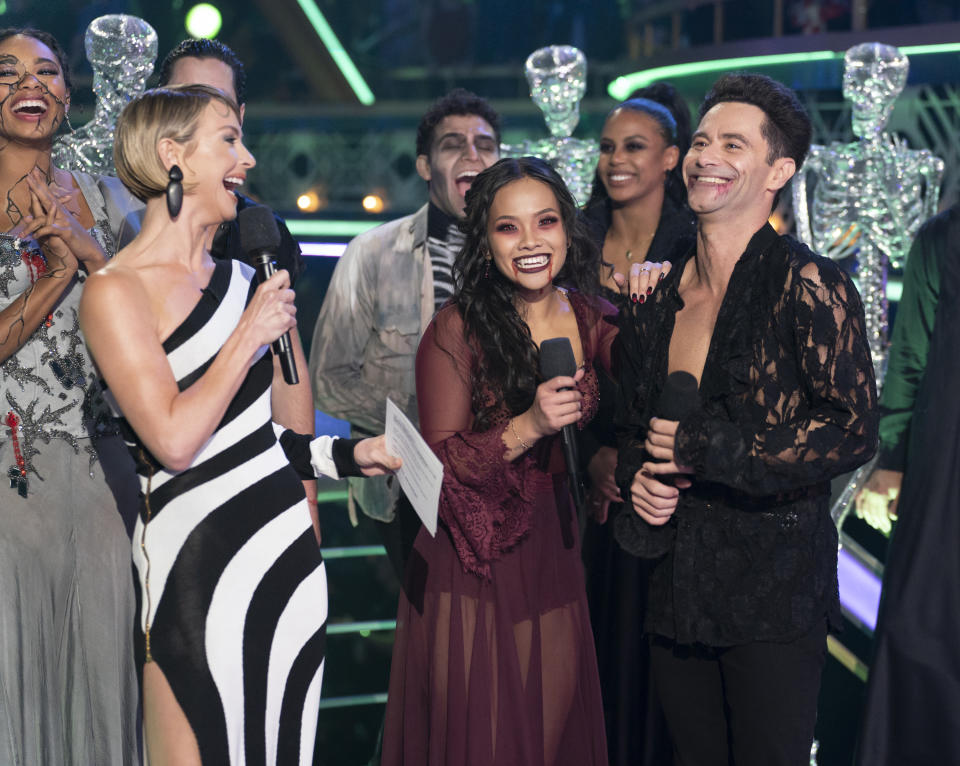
pixel 172 113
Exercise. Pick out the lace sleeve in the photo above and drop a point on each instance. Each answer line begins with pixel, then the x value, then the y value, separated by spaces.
pixel 634 535
pixel 819 398
pixel 482 499
pixel 631 419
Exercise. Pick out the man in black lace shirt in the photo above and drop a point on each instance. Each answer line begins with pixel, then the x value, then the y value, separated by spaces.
pixel 733 500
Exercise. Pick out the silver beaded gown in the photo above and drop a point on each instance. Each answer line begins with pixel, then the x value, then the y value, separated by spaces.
pixel 68 693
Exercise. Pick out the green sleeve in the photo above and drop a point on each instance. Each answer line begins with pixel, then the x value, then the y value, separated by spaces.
pixel 910 343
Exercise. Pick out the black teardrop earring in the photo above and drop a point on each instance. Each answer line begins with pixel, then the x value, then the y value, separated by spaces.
pixel 486 268
pixel 174 191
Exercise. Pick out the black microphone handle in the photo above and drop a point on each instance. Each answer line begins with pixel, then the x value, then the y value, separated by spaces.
pixel 568 437
pixel 282 348
pixel 678 398
pixel 556 358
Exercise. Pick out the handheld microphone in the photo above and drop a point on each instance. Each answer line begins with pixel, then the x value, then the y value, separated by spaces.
pixel 260 238
pixel 556 358
pixel 679 397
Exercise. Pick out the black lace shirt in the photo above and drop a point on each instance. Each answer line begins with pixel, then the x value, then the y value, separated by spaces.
pixel 787 401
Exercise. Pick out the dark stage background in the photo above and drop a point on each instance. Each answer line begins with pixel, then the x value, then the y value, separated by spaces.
pixel 311 134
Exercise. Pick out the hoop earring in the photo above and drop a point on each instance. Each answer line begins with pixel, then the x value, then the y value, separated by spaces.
pixel 174 191
pixel 65 121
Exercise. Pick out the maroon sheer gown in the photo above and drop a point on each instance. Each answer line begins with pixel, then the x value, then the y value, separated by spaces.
pixel 494 661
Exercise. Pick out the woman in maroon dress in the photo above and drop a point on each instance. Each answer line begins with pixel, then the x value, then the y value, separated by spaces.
pixel 494 660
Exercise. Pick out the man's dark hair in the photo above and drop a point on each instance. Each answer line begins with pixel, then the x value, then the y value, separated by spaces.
pixel 206 49
pixel 787 127
pixel 457 101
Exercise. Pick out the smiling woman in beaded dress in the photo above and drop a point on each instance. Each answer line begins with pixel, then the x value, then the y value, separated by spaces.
pixel 67 684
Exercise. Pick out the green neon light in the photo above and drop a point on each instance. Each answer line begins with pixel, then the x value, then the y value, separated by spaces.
pixel 353 552
pixel 331 703
pixel 331 496
pixel 623 86
pixel 894 289
pixel 341 628
pixel 204 21
pixel 340 56
pixel 919 50
pixel 319 228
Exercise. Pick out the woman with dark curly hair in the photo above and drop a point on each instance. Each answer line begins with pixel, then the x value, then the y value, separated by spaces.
pixel 493 661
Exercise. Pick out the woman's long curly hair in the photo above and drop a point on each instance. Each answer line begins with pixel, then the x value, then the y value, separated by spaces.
pixel 507 362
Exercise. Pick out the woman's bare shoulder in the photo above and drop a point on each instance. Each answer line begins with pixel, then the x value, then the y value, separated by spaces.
pixel 116 285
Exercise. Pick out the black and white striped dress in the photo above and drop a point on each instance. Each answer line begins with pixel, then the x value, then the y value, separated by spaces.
pixel 233 591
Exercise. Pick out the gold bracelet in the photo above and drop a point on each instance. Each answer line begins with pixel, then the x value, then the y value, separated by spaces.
pixel 513 427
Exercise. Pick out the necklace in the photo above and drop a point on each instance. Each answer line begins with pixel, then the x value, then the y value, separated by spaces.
pixel 645 243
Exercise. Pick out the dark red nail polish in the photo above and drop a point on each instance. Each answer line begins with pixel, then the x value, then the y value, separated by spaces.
pixel 649 290
pixel 660 278
pixel 643 298
pixel 633 297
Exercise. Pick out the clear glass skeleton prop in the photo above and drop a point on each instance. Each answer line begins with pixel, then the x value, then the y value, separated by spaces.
pixel 122 50
pixel 557 76
pixel 868 198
